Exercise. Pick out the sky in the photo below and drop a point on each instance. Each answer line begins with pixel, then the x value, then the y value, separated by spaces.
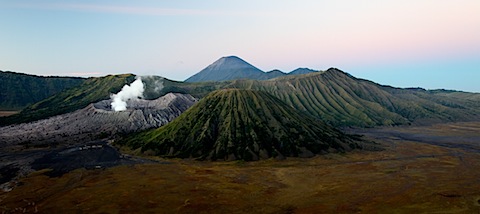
pixel 409 43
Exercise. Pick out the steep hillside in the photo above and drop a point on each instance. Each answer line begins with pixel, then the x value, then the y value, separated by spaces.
pixel 90 91
pixel 19 90
pixel 235 124
pixel 344 100
pixel 97 120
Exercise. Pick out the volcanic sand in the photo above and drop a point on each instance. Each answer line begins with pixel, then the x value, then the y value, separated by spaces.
pixel 407 177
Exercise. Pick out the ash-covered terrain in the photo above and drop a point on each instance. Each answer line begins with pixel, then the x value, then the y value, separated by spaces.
pixel 97 121
pixel 79 139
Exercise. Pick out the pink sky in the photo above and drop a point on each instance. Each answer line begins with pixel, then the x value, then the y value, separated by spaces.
pixel 176 39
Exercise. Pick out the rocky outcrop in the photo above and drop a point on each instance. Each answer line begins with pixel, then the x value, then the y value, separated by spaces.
pixel 98 121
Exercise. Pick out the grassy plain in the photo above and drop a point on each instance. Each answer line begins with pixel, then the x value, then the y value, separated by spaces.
pixel 407 177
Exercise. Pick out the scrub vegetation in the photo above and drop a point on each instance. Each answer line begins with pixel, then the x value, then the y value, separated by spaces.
pixel 234 124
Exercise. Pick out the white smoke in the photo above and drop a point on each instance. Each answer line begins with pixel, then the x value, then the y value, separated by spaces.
pixel 153 83
pixel 132 91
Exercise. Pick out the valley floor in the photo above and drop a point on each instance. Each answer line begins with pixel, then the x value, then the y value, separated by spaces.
pixel 430 169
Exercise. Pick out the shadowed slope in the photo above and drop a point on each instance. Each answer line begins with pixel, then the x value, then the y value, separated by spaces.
pixel 19 90
pixel 235 124
pixel 90 91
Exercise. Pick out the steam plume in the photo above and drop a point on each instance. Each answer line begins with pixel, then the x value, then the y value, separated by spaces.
pixel 158 85
pixel 131 91
pixel 153 83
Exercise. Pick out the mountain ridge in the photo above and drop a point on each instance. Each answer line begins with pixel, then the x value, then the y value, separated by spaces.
pixel 233 67
pixel 91 90
pixel 344 100
pixel 18 90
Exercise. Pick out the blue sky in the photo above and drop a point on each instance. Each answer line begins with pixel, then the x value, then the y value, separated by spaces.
pixel 426 43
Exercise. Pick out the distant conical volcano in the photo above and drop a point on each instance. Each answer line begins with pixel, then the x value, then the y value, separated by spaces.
pixel 234 124
pixel 232 68
pixel 227 68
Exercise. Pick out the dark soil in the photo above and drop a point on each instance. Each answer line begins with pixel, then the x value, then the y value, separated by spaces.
pixel 95 155
pixel 17 163
pixel 7 173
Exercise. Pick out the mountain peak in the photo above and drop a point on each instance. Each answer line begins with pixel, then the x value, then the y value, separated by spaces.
pixel 338 72
pixel 231 58
pixel 227 68
pixel 229 62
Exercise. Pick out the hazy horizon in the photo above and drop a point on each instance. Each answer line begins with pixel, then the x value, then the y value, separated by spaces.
pixel 428 44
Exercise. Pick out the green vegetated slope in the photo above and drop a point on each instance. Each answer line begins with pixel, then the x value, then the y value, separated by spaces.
pixel 90 91
pixel 232 124
pixel 422 106
pixel 19 90
pixel 344 100
pixel 454 97
pixel 328 96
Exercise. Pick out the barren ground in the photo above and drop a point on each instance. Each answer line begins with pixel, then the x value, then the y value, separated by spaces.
pixel 430 169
